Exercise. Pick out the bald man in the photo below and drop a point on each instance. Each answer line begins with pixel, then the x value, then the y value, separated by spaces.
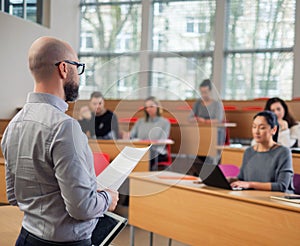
pixel 49 165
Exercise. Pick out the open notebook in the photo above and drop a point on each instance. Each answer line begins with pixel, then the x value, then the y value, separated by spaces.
pixel 118 170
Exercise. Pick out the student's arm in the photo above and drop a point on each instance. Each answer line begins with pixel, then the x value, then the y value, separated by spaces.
pixel 284 172
pixel 115 126
pixel 134 130
pixel 252 185
pixel 295 135
pixel 284 137
pixel 239 182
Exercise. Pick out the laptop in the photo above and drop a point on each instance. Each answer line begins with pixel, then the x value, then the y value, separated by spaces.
pixel 212 175
pixel 107 228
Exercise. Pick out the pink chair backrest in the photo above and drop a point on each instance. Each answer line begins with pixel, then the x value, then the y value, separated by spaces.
pixel 296 181
pixel 101 161
pixel 229 170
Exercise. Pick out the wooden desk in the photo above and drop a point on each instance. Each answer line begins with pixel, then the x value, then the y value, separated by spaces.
pixel 114 147
pixel 200 139
pixel 235 156
pixel 198 215
pixel 10 224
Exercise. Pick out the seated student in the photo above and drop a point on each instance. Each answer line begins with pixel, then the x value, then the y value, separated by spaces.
pixel 103 123
pixel 152 127
pixel 267 165
pixel 289 129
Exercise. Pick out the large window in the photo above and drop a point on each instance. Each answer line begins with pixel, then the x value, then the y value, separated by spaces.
pixel 183 41
pixel 110 38
pixel 28 9
pixel 174 43
pixel 259 52
pixel 180 56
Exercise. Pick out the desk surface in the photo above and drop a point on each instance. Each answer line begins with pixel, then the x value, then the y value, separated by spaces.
pixel 196 214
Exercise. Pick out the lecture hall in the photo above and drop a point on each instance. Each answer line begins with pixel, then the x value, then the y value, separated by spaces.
pixel 179 118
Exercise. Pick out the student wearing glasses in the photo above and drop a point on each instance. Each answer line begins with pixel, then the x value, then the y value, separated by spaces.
pixel 49 166
pixel 152 127
pixel 267 165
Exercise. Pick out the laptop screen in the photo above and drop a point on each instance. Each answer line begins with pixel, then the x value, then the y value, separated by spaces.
pixel 212 175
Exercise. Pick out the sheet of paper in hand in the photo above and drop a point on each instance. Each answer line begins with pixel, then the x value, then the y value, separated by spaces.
pixel 118 170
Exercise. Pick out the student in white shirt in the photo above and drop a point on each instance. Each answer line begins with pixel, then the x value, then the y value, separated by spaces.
pixel 289 128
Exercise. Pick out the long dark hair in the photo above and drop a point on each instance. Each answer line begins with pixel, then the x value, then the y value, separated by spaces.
pixel 287 116
pixel 271 119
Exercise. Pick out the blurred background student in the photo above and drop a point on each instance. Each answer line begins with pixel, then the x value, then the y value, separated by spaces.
pixel 206 109
pixel 267 165
pixel 152 127
pixel 103 123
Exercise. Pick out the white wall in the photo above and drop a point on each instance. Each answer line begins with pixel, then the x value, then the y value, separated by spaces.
pixel 16 37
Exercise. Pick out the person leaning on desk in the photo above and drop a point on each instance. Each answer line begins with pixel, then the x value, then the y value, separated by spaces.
pixel 49 166
pixel 267 165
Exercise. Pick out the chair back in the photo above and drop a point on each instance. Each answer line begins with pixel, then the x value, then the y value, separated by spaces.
pixel 296 181
pixel 229 170
pixel 168 162
pixel 101 161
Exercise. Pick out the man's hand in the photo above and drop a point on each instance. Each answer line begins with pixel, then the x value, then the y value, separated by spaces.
pixel 115 198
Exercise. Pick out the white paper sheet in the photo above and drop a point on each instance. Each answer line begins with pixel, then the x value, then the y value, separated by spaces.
pixel 118 170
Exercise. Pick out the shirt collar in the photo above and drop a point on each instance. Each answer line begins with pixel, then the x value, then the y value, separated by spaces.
pixel 34 97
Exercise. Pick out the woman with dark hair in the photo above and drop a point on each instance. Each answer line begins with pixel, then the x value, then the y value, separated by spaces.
pixel 153 127
pixel 267 165
pixel 289 129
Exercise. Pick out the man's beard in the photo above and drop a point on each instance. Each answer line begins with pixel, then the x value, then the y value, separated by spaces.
pixel 71 89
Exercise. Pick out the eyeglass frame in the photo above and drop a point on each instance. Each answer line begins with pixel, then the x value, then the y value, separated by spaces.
pixel 78 64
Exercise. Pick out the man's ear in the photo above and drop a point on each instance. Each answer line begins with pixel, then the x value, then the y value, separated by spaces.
pixel 62 69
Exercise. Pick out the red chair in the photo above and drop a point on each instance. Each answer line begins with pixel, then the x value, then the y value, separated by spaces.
pixel 296 181
pixel 168 162
pixel 230 108
pixel 128 120
pixel 172 121
pixel 229 170
pixel 101 161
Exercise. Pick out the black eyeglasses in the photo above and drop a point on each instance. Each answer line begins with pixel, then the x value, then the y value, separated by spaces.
pixel 80 66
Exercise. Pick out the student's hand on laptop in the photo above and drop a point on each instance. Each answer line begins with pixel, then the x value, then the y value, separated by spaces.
pixel 241 184
pixel 115 199
pixel 231 179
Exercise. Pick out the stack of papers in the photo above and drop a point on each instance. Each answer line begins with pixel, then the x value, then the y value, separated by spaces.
pixel 113 176
pixel 288 198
